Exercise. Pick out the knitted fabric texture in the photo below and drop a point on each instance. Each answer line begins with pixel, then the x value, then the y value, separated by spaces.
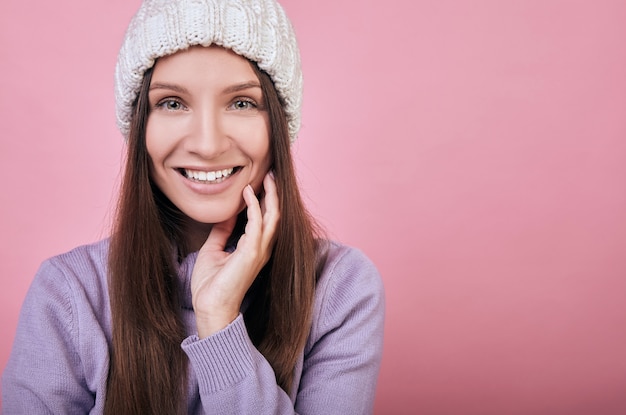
pixel 255 29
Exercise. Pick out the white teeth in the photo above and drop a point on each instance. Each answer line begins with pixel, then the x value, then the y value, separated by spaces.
pixel 208 176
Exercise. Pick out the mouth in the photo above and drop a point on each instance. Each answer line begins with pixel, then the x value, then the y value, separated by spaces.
pixel 209 177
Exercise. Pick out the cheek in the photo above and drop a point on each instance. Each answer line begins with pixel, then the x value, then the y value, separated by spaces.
pixel 264 161
pixel 259 150
pixel 156 144
pixel 257 182
pixel 150 140
pixel 154 159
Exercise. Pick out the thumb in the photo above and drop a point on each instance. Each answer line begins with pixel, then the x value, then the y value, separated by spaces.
pixel 218 237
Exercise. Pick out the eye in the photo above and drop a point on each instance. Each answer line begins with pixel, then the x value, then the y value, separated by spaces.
pixel 243 104
pixel 171 104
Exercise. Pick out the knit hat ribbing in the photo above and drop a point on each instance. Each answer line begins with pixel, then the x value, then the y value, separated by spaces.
pixel 255 29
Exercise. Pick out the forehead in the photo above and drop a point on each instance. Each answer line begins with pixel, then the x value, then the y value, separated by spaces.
pixel 211 63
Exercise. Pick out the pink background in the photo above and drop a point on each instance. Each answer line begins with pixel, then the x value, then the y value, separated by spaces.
pixel 475 150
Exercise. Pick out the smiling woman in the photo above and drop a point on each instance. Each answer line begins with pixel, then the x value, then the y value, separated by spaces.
pixel 207 117
pixel 214 293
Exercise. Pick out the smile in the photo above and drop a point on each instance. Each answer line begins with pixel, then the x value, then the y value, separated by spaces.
pixel 216 176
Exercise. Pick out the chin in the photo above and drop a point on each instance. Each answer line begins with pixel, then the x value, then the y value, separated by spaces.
pixel 213 216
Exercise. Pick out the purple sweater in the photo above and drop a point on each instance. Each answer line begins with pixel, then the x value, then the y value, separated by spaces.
pixel 60 358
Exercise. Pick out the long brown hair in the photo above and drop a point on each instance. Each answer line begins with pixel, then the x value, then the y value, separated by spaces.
pixel 148 369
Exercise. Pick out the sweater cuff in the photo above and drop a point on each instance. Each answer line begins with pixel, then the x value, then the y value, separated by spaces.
pixel 222 359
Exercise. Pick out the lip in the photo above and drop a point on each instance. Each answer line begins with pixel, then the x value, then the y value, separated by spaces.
pixel 208 168
pixel 208 188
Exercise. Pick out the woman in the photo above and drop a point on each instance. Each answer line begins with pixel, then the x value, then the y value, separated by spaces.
pixel 214 293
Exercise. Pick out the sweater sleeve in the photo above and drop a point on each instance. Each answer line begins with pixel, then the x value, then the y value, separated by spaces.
pixel 233 376
pixel 44 373
pixel 341 360
pixel 343 356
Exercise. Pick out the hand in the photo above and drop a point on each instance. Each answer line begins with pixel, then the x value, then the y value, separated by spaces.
pixel 220 279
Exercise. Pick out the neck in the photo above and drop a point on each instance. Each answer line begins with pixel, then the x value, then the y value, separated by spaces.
pixel 196 234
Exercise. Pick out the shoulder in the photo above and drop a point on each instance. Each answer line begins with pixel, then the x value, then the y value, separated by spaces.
pixel 91 255
pixel 344 257
pixel 348 284
pixel 70 294
pixel 345 266
pixel 61 341
pixel 77 277
pixel 82 263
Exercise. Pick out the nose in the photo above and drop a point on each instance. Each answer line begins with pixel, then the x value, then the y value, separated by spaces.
pixel 207 137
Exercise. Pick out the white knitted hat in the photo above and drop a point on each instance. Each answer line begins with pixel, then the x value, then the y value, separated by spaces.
pixel 256 29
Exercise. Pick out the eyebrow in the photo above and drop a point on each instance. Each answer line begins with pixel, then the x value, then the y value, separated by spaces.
pixel 171 87
pixel 241 87
pixel 228 90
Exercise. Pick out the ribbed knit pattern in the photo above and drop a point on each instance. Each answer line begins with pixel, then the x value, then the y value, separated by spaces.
pixel 256 29
pixel 224 359
pixel 59 363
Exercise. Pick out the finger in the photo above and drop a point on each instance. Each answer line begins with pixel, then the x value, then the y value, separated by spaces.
pixel 271 209
pixel 218 237
pixel 269 185
pixel 255 221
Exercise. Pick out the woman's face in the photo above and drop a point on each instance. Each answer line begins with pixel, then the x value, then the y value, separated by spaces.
pixel 208 131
